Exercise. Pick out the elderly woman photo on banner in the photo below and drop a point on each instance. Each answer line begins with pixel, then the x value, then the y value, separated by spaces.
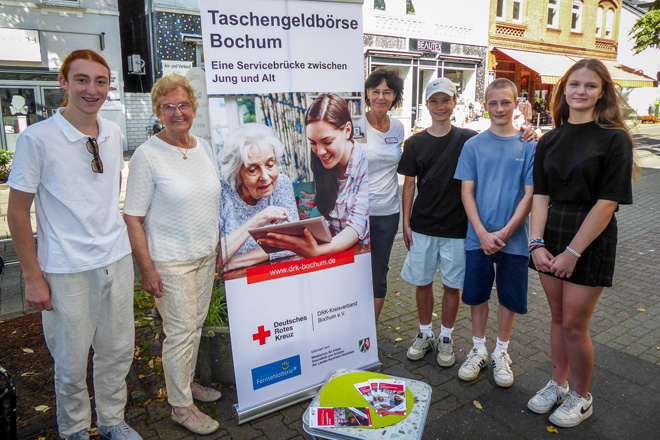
pixel 171 212
pixel 254 194
pixel 341 181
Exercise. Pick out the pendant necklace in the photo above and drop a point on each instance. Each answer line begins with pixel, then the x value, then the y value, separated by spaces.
pixel 183 151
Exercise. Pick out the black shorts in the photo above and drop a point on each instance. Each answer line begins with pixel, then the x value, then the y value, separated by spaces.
pixel 596 265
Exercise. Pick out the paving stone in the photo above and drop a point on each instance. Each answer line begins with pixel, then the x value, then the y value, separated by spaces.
pixel 625 383
pixel 273 426
pixel 621 365
pixel 621 423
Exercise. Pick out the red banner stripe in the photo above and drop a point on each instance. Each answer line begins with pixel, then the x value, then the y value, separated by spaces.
pixel 292 268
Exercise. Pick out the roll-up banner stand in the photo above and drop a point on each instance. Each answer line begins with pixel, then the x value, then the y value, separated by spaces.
pixel 293 320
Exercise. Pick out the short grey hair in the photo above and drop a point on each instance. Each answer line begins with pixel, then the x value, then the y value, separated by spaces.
pixel 246 139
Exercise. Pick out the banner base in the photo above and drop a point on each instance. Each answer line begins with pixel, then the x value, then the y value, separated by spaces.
pixel 242 416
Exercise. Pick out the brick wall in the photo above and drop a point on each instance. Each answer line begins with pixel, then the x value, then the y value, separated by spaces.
pixel 139 118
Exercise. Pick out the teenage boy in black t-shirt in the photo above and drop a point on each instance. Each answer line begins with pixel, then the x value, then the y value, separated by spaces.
pixel 435 231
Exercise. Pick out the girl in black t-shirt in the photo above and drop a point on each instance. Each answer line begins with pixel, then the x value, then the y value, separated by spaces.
pixel 582 172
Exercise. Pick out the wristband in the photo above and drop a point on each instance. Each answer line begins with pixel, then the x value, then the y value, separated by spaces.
pixel 535 241
pixel 533 248
pixel 573 252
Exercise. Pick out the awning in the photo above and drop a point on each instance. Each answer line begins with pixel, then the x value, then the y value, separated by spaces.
pixel 551 67
pixel 625 76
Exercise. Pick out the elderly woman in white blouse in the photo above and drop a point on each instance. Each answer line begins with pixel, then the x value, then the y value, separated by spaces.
pixel 171 212
pixel 254 194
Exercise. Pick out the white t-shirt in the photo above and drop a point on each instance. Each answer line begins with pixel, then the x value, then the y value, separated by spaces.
pixel 179 199
pixel 79 226
pixel 383 153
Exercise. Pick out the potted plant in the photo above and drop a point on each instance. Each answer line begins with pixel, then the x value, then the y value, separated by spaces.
pixel 5 165
pixel 214 361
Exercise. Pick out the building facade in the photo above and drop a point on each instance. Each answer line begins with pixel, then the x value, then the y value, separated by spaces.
pixel 642 100
pixel 533 43
pixel 159 37
pixel 35 37
pixel 424 40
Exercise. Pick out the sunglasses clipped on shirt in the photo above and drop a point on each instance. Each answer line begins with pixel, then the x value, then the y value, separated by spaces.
pixel 93 148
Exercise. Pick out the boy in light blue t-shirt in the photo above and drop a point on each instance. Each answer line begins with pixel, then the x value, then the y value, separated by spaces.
pixel 496 169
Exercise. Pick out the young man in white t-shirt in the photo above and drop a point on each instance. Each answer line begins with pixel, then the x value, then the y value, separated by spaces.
pixel 81 279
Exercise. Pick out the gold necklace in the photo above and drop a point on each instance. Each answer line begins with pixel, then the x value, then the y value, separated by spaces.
pixel 183 151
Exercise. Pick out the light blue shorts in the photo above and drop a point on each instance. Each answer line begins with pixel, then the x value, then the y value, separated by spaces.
pixel 427 252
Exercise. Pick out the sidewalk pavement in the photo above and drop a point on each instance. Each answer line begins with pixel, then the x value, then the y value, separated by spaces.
pixel 625 329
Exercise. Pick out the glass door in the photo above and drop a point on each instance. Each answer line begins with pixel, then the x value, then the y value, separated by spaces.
pixel 22 106
pixel 424 77
pixel 19 109
pixel 53 97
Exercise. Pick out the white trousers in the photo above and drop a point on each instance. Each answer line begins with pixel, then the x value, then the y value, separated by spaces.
pixel 91 308
pixel 185 302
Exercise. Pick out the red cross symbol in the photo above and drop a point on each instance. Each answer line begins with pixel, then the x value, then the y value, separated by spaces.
pixel 261 335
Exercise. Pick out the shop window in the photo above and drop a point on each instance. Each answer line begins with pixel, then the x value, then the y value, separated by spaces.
pixel 199 55
pixel 379 5
pixel 410 8
pixel 71 3
pixel 609 23
pixel 517 11
pixel 599 21
pixel 553 14
pixel 576 16
pixel 499 13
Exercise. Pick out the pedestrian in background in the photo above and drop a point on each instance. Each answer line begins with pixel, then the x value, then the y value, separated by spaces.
pixel 582 172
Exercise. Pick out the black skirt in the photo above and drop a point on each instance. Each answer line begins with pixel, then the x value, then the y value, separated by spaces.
pixel 596 265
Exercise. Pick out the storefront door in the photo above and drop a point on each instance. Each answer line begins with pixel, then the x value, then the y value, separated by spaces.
pixel 424 77
pixel 23 106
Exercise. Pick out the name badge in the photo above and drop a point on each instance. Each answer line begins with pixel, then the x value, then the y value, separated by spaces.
pixel 391 140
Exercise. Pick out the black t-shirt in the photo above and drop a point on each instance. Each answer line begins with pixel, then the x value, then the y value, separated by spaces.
pixel 438 210
pixel 584 163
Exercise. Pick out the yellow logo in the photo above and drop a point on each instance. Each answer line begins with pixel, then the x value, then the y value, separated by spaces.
pixel 285 365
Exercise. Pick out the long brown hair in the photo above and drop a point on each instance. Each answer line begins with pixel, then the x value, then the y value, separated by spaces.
pixel 332 109
pixel 607 111
pixel 81 54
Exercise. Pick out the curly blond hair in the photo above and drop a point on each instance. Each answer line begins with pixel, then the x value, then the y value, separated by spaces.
pixel 168 83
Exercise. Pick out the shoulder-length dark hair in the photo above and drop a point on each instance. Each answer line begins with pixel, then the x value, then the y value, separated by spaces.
pixel 607 112
pixel 332 109
pixel 393 80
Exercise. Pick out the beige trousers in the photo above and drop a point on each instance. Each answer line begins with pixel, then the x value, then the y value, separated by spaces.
pixel 185 302
pixel 94 308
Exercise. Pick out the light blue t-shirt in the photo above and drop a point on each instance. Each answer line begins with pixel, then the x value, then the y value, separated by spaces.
pixel 500 168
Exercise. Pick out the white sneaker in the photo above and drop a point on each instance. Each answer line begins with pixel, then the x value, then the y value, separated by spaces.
pixel 476 360
pixel 118 432
pixel 573 411
pixel 422 344
pixel 547 397
pixel 502 369
pixel 80 435
pixel 445 348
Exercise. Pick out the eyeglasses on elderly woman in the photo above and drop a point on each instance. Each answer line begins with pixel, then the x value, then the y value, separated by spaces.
pixel 169 109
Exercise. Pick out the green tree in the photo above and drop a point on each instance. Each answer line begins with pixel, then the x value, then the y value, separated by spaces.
pixel 646 32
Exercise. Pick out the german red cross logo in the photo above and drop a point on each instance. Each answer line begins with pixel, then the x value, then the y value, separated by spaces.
pixel 261 335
